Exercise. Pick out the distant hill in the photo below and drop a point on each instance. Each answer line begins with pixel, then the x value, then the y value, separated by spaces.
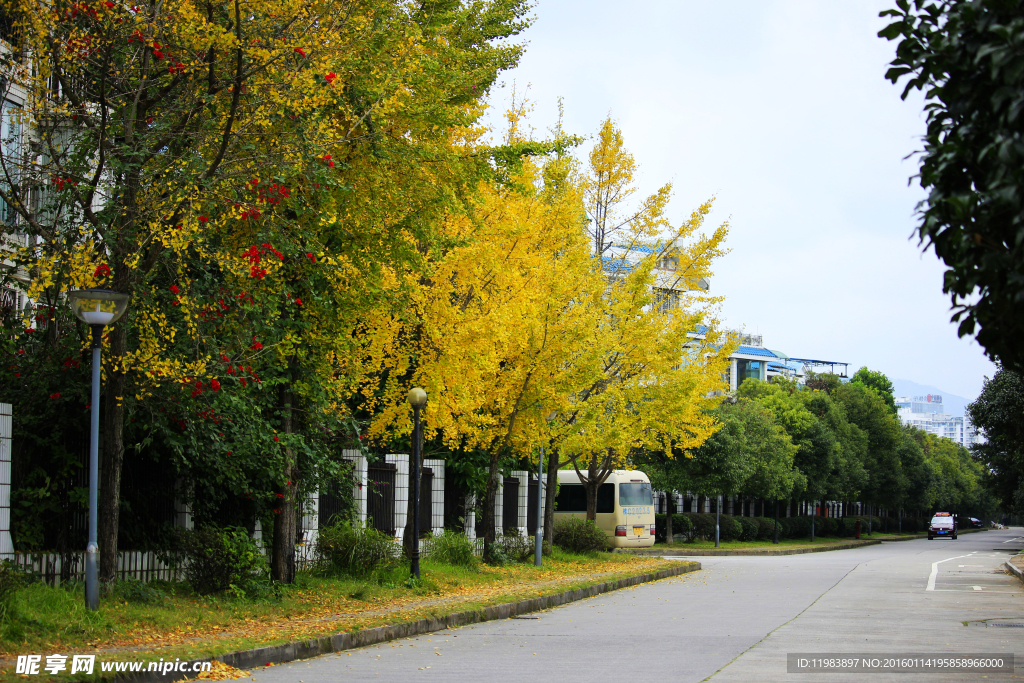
pixel 952 404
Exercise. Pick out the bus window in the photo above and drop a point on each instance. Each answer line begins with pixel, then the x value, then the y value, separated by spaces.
pixel 637 493
pixel 573 498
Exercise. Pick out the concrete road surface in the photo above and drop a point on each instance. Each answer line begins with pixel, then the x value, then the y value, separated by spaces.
pixel 736 620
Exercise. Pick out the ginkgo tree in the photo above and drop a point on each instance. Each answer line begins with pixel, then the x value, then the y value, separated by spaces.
pixel 165 142
pixel 663 353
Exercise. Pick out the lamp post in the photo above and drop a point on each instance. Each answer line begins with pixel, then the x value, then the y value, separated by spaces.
pixel 718 516
pixel 97 308
pixel 814 511
pixel 417 399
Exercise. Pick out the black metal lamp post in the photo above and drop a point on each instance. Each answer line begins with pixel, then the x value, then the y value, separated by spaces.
pixel 97 308
pixel 417 399
pixel 718 518
pixel 776 541
pixel 814 511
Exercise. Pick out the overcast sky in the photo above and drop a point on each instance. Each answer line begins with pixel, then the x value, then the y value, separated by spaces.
pixel 780 109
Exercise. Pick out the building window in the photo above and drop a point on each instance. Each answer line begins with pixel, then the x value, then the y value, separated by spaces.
pixel 666 299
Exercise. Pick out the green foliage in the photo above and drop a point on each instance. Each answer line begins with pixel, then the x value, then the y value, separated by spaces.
pixel 997 415
pixel 133 590
pixel 514 547
pixel 10 581
pixel 224 560
pixel 453 548
pixel 344 549
pixel 578 535
pixel 750 528
pixel 878 383
pixel 766 529
pixel 965 56
pixel 682 527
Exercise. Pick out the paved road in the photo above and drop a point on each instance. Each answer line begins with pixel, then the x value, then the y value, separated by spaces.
pixel 733 621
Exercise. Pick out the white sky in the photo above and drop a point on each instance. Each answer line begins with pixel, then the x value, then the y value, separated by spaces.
pixel 780 109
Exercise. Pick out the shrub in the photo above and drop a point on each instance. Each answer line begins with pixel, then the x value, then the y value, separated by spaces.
pixel 516 547
pixel 750 528
pixel 682 527
pixel 729 528
pixel 227 559
pixel 766 529
pixel 578 535
pixel 453 548
pixel 10 581
pixel 347 549
pixel 825 526
pixel 800 527
pixel 703 525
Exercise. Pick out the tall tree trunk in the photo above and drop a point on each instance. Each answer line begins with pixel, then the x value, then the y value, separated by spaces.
pixel 549 500
pixel 282 562
pixel 113 458
pixel 490 496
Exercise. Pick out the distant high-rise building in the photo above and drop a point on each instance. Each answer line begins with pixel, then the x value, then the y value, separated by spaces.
pixel 925 412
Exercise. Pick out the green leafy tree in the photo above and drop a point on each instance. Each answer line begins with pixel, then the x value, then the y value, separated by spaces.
pixel 998 413
pixel 877 382
pixel 965 56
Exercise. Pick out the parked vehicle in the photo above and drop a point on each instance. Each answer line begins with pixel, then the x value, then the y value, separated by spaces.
pixel 625 506
pixel 969 523
pixel 943 525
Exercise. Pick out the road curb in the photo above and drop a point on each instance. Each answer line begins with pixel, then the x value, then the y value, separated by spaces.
pixel 1014 569
pixel 771 552
pixel 306 649
pixel 682 552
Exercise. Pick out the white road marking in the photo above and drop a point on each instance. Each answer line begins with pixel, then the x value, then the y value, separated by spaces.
pixel 1014 539
pixel 970 565
pixel 977 588
pixel 935 570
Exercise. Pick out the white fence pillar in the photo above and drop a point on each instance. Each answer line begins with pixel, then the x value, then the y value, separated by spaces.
pixel 436 520
pixel 359 482
pixel 6 431
pixel 524 499
pixel 401 462
pixel 470 521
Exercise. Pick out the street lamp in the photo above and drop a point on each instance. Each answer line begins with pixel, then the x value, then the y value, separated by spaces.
pixel 718 517
pixel 417 399
pixel 538 546
pixel 97 308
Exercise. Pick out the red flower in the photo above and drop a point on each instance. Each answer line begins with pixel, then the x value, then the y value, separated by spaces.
pixel 279 495
pixel 175 302
pixel 109 5
pixel 312 259
pixel 244 383
pixel 298 301
pixel 174 289
pixel 277 439
pixel 102 270
pixel 54 397
pixel 215 385
pixel 203 219
pixel 256 346
pixel 229 454
pixel 157 55
pixel 327 158
pixel 300 51
pixel 331 76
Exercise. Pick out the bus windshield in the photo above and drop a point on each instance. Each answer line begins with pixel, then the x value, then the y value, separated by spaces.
pixel 637 493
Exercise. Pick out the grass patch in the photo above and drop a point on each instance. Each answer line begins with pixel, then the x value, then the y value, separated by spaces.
pixel 170 620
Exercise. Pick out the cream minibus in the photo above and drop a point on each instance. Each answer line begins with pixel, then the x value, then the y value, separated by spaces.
pixel 625 506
